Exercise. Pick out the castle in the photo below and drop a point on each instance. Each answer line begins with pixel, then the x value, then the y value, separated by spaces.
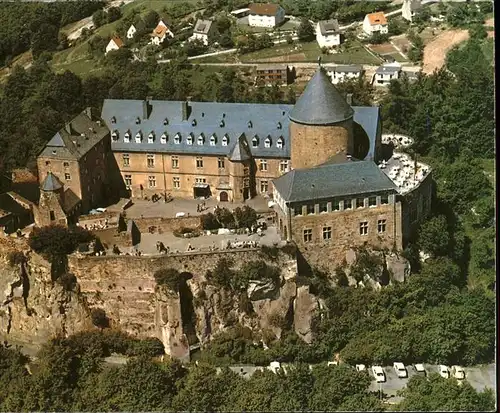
pixel 321 161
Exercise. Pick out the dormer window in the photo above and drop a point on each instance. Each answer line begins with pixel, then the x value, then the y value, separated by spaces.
pixel 177 138
pixel 165 122
pixel 151 137
pixel 189 139
pixel 163 138
pixel 225 140
pixel 222 123
pixel 201 140
pixel 113 119
pixel 255 142
pixel 280 142
pixel 249 124
pixel 114 136
pixel 193 123
pixel 126 137
pixel 138 137
pixel 278 125
pixel 137 121
pixel 267 142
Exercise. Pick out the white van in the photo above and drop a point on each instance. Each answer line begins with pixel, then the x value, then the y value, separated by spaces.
pixel 379 374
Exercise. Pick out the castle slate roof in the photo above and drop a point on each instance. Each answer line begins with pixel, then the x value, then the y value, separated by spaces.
pixel 333 180
pixel 51 183
pixel 230 120
pixel 77 138
pixel 321 103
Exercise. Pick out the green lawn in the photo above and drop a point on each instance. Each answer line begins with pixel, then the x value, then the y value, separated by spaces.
pixel 309 52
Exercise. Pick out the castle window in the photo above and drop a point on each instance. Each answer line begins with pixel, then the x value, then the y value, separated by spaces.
pixel 201 139
pixel 279 143
pixel 327 233
pixel 128 181
pixel 137 121
pixel 66 164
pixel 113 119
pixel 176 182
pixel 347 203
pixel 163 138
pixel 213 140
pixel 220 162
pixel 308 235
pixel 255 142
pixel 151 160
pixel 335 205
pixel 225 140
pixel 126 159
pixel 138 137
pixel 177 138
pixel 175 162
pixel 263 165
pixel 264 185
pixel 363 228
pixel 67 176
pixel 165 122
pixel 297 210
pixel 284 166
pixel 267 143
pixel 372 201
pixel 199 162
pixel 114 136
pixel 384 199
pixel 151 137
pixel 189 139
pixel 310 209
pixel 126 137
pixel 152 181
pixel 323 207
pixel 360 202
pixel 47 163
pixel 381 226
pixel 249 124
pixel 279 125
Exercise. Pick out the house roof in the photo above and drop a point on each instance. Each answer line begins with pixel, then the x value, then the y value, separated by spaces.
pixel 377 18
pixel 159 31
pixel 264 9
pixel 211 118
pixel 202 26
pixel 386 69
pixel 77 138
pixel 327 27
pixel 320 103
pixel 344 68
pixel 333 180
pixel 8 205
pixel 70 200
pixel 117 41
pixel 51 183
pixel 260 68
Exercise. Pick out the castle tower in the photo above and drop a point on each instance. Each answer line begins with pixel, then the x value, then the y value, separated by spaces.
pixel 241 173
pixel 321 124
pixel 50 207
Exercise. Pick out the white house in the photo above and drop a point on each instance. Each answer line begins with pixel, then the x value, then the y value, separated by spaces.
pixel 375 23
pixel 131 32
pixel 410 8
pixel 204 30
pixel 328 33
pixel 114 44
pixel 339 73
pixel 160 33
pixel 385 73
pixel 265 15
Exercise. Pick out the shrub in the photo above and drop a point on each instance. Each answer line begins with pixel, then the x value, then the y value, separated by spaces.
pixel 99 318
pixel 67 281
pixel 209 222
pixel 15 258
pixel 169 277
pixel 270 252
pixel 186 232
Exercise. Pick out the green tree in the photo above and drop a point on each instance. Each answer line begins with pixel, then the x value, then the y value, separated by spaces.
pixel 434 237
pixel 305 31
pixel 99 18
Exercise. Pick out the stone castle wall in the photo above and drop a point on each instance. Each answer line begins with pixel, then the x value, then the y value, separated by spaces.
pixel 168 224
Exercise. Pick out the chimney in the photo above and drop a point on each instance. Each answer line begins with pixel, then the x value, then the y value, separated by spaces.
pixel 186 110
pixel 349 99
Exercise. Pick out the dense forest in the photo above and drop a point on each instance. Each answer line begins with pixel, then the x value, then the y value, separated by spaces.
pixel 70 375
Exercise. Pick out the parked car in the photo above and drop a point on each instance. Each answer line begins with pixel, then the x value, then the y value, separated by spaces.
pixel 444 371
pixel 419 368
pixel 400 370
pixel 379 374
pixel 333 363
pixel 458 372
pixel 360 367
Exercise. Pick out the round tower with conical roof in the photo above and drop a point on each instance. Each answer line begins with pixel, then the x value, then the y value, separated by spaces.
pixel 321 124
